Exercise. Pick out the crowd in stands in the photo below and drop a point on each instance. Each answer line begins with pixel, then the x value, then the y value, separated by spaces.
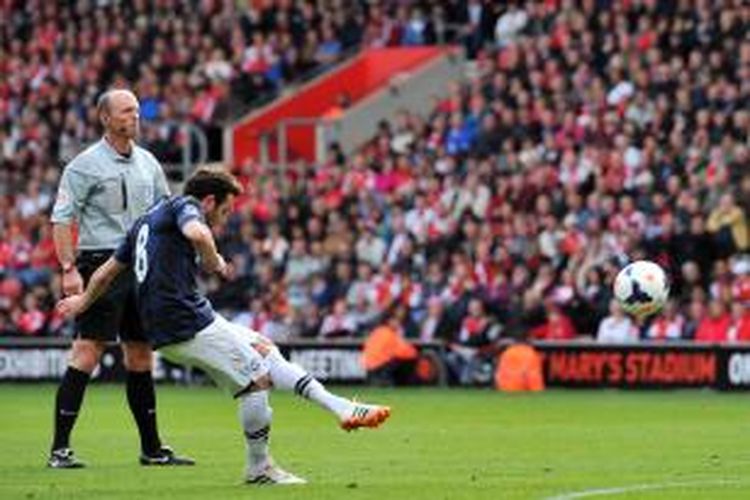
pixel 590 137
pixel 593 133
pixel 188 61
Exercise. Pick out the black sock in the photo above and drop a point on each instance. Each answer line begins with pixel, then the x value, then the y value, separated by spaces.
pixel 142 401
pixel 67 404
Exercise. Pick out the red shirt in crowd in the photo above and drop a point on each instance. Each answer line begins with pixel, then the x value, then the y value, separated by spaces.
pixel 742 333
pixel 31 322
pixel 43 254
pixel 472 326
pixel 6 254
pixel 557 327
pixel 713 329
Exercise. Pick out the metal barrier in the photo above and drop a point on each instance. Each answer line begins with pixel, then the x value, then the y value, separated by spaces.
pixel 194 152
pixel 280 135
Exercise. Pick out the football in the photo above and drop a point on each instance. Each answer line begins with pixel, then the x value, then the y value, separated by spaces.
pixel 641 288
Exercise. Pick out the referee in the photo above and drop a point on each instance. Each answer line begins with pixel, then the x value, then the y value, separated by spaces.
pixel 104 189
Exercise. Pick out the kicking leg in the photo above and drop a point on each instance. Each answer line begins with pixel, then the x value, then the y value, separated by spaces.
pixel 225 355
pixel 292 377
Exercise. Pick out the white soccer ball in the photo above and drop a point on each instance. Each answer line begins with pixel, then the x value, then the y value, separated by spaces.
pixel 642 288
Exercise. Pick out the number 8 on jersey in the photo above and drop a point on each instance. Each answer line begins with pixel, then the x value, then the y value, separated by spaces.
pixel 141 255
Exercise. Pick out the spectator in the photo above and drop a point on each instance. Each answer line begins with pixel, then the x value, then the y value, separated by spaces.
pixel 29 319
pixel 260 59
pixel 668 325
pixel 299 265
pixel 509 25
pixel 416 30
pixel 386 356
pixel 329 49
pixel 434 326
pixel 557 326
pixel 617 328
pixel 728 226
pixel 691 282
pixel 696 245
pixel 339 323
pixel 370 248
pixel 364 316
pixel 465 351
pixel 740 329
pixel 714 327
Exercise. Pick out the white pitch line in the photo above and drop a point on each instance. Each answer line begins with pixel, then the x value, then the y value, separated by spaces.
pixel 642 487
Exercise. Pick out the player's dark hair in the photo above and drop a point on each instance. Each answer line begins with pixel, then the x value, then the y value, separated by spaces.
pixel 215 181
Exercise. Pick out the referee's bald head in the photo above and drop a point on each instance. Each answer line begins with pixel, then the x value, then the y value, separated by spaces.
pixel 104 103
pixel 119 112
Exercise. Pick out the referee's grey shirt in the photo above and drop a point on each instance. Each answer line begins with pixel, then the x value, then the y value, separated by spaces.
pixel 105 192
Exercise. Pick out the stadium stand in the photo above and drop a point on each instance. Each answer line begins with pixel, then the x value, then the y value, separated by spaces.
pixel 588 134
pixel 200 62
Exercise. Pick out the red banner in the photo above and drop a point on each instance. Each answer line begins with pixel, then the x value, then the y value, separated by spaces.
pixel 631 368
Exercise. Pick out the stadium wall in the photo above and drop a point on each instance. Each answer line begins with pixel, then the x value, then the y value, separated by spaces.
pixel 566 364
pixel 358 78
pixel 411 91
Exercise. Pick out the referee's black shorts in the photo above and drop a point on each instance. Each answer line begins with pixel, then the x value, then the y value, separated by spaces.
pixel 114 315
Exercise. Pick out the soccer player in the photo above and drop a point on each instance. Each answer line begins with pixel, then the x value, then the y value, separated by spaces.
pixel 164 249
pixel 104 190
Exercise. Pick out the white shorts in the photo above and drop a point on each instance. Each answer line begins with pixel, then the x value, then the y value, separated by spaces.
pixel 225 352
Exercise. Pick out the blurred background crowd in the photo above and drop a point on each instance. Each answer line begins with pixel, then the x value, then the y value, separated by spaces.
pixel 587 134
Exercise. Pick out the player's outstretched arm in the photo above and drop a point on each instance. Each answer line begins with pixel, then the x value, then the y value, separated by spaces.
pixel 200 236
pixel 98 284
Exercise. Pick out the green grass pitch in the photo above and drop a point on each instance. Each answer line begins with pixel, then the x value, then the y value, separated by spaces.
pixel 439 444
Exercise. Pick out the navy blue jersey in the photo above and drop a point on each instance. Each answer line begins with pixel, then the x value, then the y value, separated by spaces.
pixel 165 266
